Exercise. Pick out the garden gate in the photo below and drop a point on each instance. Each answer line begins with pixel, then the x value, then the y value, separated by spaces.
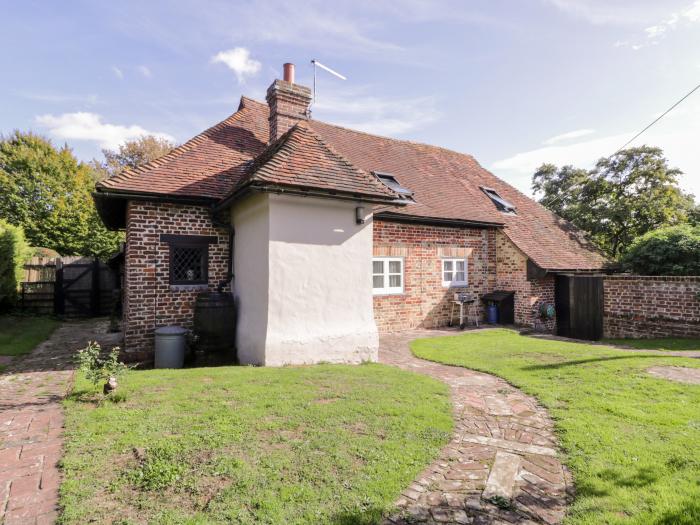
pixel 579 305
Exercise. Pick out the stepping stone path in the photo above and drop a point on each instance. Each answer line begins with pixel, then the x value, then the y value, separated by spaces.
pixel 31 422
pixel 501 466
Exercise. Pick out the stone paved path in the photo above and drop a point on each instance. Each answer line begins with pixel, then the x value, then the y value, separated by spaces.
pixel 501 466
pixel 31 422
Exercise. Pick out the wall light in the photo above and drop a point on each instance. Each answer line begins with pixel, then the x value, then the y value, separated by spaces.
pixel 360 215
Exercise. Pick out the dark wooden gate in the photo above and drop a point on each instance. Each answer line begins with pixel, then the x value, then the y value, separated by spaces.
pixel 70 286
pixel 579 306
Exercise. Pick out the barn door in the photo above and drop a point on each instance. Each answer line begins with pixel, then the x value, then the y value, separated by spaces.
pixel 579 304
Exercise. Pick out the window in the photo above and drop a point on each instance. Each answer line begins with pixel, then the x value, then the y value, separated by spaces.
pixel 391 182
pixel 454 272
pixel 502 204
pixel 387 275
pixel 189 258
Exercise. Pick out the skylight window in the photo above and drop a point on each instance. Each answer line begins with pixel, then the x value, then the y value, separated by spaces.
pixel 390 182
pixel 502 204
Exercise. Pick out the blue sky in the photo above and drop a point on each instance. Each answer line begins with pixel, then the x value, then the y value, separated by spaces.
pixel 514 83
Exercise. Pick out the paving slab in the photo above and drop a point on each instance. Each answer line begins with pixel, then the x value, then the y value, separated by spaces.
pixel 499 434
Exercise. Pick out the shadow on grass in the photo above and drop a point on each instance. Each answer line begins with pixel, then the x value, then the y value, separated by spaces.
pixel 370 516
pixel 687 513
pixel 562 364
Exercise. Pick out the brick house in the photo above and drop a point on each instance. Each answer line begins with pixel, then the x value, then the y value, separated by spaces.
pixel 326 236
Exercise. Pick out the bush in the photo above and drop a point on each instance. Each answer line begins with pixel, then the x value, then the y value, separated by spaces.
pixel 14 252
pixel 674 250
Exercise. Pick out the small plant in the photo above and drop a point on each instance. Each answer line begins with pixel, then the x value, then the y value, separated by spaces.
pixel 98 369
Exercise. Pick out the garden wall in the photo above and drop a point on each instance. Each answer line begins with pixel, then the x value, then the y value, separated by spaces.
pixel 645 306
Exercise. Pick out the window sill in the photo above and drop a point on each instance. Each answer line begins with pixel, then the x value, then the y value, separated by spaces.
pixel 387 294
pixel 455 285
pixel 188 287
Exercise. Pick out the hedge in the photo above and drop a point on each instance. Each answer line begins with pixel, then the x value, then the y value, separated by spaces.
pixel 674 250
pixel 14 252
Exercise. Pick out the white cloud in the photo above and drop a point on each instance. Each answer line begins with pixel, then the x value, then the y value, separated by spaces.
pixel 353 108
pixel 659 31
pixel 145 71
pixel 617 12
pixel 239 61
pixel 676 135
pixel 568 135
pixel 89 126
pixel 117 72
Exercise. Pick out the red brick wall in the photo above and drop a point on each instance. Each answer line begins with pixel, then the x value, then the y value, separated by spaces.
pixel 641 306
pixel 511 274
pixel 149 300
pixel 425 302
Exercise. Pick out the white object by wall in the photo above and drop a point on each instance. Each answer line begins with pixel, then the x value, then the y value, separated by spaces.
pixel 303 272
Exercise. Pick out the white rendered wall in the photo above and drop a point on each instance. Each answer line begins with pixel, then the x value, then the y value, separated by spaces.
pixel 251 220
pixel 320 300
pixel 315 287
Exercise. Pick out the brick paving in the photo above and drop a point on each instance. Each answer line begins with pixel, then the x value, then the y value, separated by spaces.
pixel 502 465
pixel 31 422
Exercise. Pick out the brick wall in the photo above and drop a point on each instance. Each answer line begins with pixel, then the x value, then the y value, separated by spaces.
pixel 641 306
pixel 511 274
pixel 425 302
pixel 149 300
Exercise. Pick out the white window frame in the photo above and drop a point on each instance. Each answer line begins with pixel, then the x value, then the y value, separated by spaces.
pixel 453 261
pixel 386 289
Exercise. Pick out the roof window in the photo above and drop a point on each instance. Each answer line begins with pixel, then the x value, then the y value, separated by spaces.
pixel 390 182
pixel 502 204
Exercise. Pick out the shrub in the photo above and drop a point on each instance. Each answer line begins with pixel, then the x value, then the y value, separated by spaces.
pixel 99 369
pixel 674 250
pixel 14 252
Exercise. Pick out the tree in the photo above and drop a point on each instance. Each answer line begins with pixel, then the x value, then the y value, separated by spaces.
pixel 674 250
pixel 48 192
pixel 14 252
pixel 131 154
pixel 623 197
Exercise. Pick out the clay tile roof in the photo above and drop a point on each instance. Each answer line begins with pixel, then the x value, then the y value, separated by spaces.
pixel 207 165
pixel 446 184
pixel 301 159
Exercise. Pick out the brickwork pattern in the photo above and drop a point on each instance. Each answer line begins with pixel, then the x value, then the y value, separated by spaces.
pixel 149 299
pixel 503 446
pixel 426 302
pixel 31 422
pixel 645 306
pixel 511 274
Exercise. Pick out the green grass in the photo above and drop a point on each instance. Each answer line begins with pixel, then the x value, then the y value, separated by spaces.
pixel 19 334
pixel 666 343
pixel 325 444
pixel 632 441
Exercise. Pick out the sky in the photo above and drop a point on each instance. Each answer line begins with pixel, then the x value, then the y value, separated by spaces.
pixel 513 83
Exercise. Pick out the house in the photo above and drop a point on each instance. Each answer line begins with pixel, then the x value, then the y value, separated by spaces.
pixel 326 236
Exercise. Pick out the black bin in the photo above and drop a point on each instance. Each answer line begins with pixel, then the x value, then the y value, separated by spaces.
pixel 505 303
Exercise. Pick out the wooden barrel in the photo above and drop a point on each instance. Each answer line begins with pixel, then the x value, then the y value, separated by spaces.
pixel 215 322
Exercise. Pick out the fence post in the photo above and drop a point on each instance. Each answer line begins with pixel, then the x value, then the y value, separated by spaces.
pixel 95 288
pixel 59 299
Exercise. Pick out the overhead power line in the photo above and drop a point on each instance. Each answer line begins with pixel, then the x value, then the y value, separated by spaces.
pixel 657 119
pixel 679 101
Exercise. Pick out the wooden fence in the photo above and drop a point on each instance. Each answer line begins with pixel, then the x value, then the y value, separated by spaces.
pixel 70 286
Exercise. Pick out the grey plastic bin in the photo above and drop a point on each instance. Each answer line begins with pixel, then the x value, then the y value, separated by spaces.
pixel 170 347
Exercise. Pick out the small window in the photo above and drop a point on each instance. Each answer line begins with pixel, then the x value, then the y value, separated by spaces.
pixel 387 275
pixel 502 204
pixel 454 272
pixel 189 258
pixel 392 183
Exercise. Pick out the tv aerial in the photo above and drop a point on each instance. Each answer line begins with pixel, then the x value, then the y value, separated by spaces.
pixel 318 64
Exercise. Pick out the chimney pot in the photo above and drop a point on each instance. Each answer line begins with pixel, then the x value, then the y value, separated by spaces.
pixel 289 73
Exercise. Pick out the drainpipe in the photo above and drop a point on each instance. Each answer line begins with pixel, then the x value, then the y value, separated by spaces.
pixel 231 244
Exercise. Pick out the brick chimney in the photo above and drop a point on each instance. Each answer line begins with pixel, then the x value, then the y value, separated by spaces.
pixel 289 103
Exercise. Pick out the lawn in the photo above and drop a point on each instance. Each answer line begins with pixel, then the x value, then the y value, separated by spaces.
pixel 665 343
pixel 328 444
pixel 631 440
pixel 20 334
